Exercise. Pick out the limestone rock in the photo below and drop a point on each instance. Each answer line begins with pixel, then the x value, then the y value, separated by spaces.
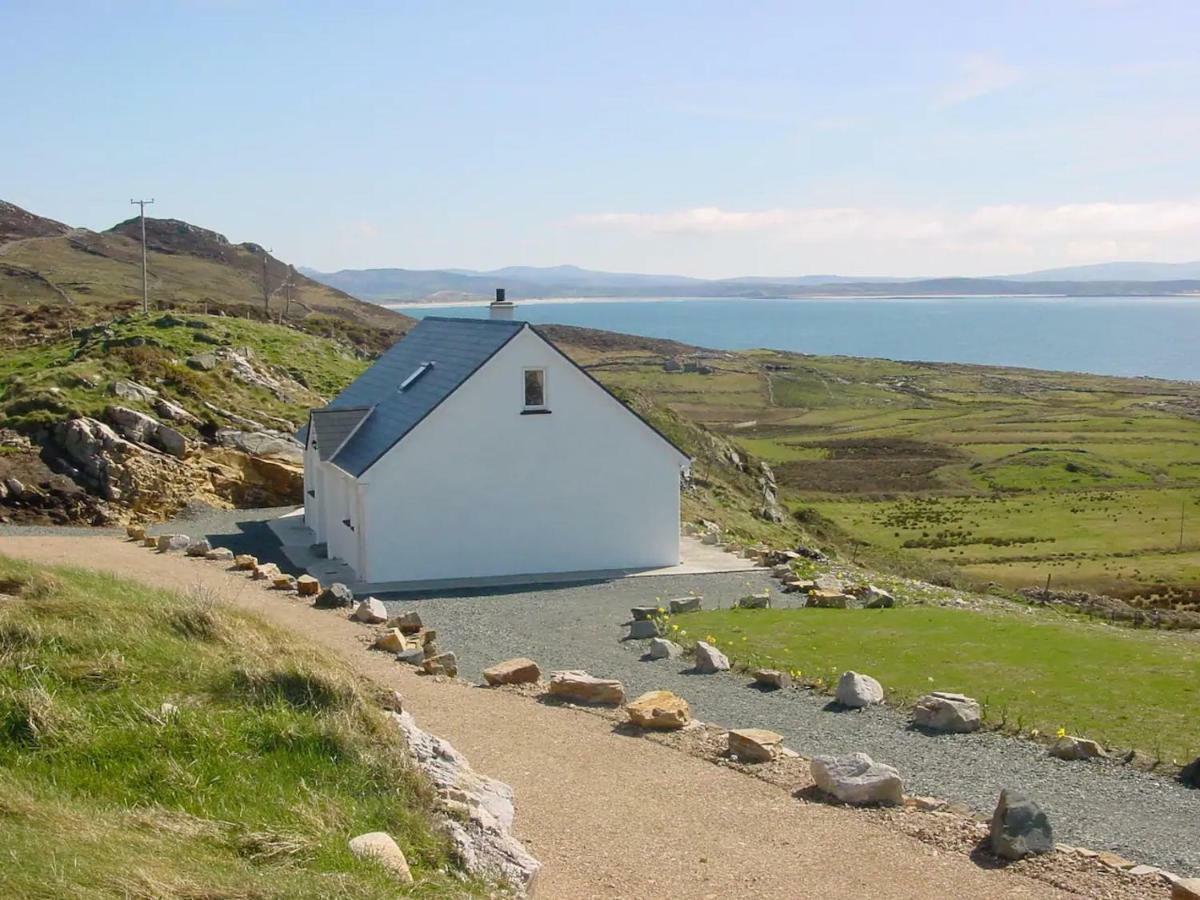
pixel 513 671
pixel 822 599
pixel 1190 774
pixel 661 648
pixel 371 610
pixel 483 839
pixel 711 538
pixel 381 848
pixel 1019 827
pixel 441 664
pixel 283 582
pixel 684 605
pixel 856 691
pixel 265 572
pixel 204 362
pixel 782 571
pixel 1070 747
pixel 580 687
pixel 709 659
pixel 642 629
pixel 830 583
pixel 414 656
pixel 1185 889
pixel 772 678
pixel 761 600
pixel 307 586
pixel 219 553
pixel 942 711
pixel 174 412
pixel 643 613
pixel 199 547
pixel 754 744
pixel 168 542
pixel 857 779
pixel 878 598
pixel 658 709
pixel 336 596
pixel 392 640
pixel 408 621
pixel 131 390
pixel 144 429
pixel 150 541
pixel 135 532
pixel 246 562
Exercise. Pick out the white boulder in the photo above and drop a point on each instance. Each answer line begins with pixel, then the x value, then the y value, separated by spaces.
pixel 856 691
pixel 709 659
pixel 857 779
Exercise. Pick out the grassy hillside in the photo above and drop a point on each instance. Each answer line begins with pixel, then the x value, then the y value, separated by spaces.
pixel 271 758
pixel 1007 475
pixel 52 281
pixel 46 382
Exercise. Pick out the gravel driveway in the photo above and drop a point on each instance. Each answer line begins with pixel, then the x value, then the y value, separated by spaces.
pixel 1148 818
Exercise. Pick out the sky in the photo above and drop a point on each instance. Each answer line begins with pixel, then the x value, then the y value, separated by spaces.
pixel 708 139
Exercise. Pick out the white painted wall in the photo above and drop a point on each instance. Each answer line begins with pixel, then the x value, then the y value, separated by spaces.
pixel 339 502
pixel 312 482
pixel 477 489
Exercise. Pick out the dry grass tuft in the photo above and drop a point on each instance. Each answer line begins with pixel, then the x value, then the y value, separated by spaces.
pixel 274 847
pixel 30 716
pixel 296 685
pixel 199 618
pixel 143 884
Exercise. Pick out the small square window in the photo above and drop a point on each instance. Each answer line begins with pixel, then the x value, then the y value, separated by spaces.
pixel 535 388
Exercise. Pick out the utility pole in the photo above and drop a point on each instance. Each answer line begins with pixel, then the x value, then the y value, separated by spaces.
pixel 141 205
pixel 266 291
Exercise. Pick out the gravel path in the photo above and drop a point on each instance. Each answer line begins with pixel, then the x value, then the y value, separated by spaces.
pixel 1148 818
pixel 608 815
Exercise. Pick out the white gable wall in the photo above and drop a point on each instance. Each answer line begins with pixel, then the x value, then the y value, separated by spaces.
pixel 477 489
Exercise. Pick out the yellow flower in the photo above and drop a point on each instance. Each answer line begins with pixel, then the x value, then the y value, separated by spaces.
pixel 661 610
pixel 674 627
pixel 710 639
pixel 1061 733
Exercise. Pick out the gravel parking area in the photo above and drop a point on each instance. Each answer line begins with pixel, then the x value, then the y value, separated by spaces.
pixel 1147 818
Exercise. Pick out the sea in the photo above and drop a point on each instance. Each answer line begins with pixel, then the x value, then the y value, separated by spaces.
pixel 1157 337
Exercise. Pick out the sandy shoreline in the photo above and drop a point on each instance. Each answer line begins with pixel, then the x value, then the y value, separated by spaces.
pixel 537 301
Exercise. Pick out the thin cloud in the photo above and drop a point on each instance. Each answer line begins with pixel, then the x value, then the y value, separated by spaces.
pixel 978 74
pixel 1074 231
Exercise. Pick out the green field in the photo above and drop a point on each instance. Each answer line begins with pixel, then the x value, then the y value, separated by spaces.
pixel 1007 475
pixel 1035 669
pixel 275 757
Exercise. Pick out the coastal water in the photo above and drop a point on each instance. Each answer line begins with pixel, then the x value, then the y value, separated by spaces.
pixel 1154 336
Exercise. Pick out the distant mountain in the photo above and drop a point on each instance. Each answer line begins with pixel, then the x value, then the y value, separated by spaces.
pixel 528 282
pixel 1115 271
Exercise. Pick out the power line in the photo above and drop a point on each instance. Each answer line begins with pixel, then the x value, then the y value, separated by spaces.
pixel 141 204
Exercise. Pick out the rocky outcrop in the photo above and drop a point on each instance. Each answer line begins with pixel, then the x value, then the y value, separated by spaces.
pixel 144 429
pixel 481 830
pixel 857 779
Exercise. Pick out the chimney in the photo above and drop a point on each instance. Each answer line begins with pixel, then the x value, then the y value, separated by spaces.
pixel 501 309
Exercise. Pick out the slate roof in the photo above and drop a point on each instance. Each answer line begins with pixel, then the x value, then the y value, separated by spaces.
pixel 456 347
pixel 333 426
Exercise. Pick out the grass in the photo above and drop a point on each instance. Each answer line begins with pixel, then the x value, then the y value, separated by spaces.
pixel 275 757
pixel 1125 688
pixel 44 383
pixel 1026 473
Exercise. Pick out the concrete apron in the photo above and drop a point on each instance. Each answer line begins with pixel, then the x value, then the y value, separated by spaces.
pixel 297 543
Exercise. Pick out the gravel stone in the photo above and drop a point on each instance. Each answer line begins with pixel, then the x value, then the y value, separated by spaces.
pixel 1102 805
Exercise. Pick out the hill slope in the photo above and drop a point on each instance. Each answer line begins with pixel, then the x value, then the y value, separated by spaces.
pixel 156 745
pixel 53 277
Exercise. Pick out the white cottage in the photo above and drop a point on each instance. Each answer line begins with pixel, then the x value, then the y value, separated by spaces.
pixel 475 449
